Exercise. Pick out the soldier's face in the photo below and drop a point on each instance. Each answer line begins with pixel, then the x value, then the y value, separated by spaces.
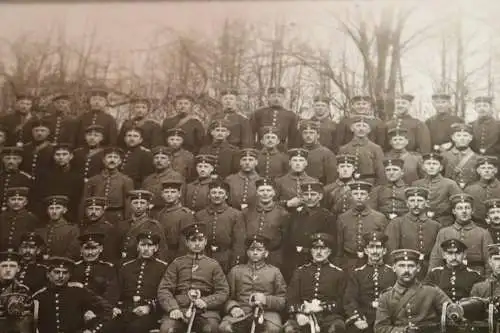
pixel 359 196
pixel 398 142
pixel 8 270
pixel 98 102
pixel 217 195
pixel 29 251
pixel 62 105
pixel 406 270
pixel 146 248
pixel 12 162
pixel 311 198
pixel 133 138
pixel 93 138
pixel 441 105
pixel 461 139
pixel 298 163
pixel 40 133
pixel 62 157
pixel 360 129
pixel 204 170
pixel 416 204
pixel 345 170
pixel 320 109
pixel 362 107
pixel 320 253
pixel 375 251
pixel 487 171
pixel 310 136
pixel 196 243
pixel 494 262
pixel 493 217
pixel 229 102
pixel 393 173
pixel 56 212
pixel 112 160
pixel 269 140
pixel 483 109
pixel 139 206
pixel 175 141
pixel 183 105
pixel 248 163
pixel 219 133
pixel 257 253
pixel 462 212
pixel 432 167
pixel 266 193
pixel 24 105
pixel 275 99
pixel 453 258
pixel 91 252
pixel 58 276
pixel 401 106
pixel 94 212
pixel 171 195
pixel 17 202
pixel 140 110
pixel 161 161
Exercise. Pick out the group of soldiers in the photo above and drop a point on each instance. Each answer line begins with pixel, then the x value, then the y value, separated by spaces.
pixel 265 224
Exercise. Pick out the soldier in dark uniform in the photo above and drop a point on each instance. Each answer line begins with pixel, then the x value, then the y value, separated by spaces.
pixel 96 274
pixel 151 130
pixel 255 284
pixel 440 124
pixel 197 191
pixel 182 160
pixel 486 128
pixel 16 220
pixel 88 160
pixel 194 133
pixel 315 293
pixel 412 166
pixel 97 115
pixel 225 227
pixel 277 116
pixel 418 134
pixel 357 221
pixel 327 127
pixel 483 289
pixel 242 184
pixel 195 282
pixel 32 272
pixel 474 237
pixel 366 283
pixel 389 199
pixel 61 306
pixel 62 125
pixel 410 305
pixel 138 308
pixel 163 172
pixel 137 160
pixel 337 195
pixel 306 220
pixel 15 303
pixel 454 278
pixel 38 154
pixel 11 176
pixel 493 219
pixel 112 185
pixel 17 121
pixel 272 162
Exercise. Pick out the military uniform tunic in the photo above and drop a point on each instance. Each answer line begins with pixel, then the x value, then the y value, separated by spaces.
pixel 460 166
pixel 137 163
pixel 369 158
pixel 322 163
pixel 494 233
pixel 182 161
pixel 18 127
pixel 152 134
pixel 377 134
pixel 456 282
pixel 288 186
pixel 172 218
pixel 153 184
pixel 412 164
pixel 12 179
pixel 483 289
pixel 110 242
pixel 482 191
pixel 61 239
pixel 389 199
pixel 327 133
pixel 33 275
pixel 242 189
pixel 98 276
pixel 284 120
pixel 338 197
pixel 195 133
pixel 227 158
pixel 16 323
pixel 62 128
pixel 197 194
pixel 13 225
pixel 440 127
pixel 486 133
pixel 101 118
pixel 272 163
pixel 418 134
pixel 37 159
pixel 239 126
pixel 88 162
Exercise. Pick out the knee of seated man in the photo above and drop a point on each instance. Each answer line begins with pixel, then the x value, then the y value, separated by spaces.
pixel 272 328
pixel 337 328
pixel 210 327
pixel 168 326
pixel 289 327
pixel 225 327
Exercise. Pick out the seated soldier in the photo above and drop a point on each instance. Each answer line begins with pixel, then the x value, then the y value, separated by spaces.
pixel 483 289
pixel 32 272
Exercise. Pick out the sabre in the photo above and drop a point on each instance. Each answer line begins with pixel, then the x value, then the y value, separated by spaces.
pixel 193 295
pixel 258 316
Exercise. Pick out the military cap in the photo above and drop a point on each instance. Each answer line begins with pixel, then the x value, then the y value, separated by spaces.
pixel 432 156
pixel 324 99
pixel 195 228
pixel 176 132
pixel 25 95
pixel 217 183
pixel 406 97
pixel 40 123
pixel 249 152
pixel 461 127
pixel 360 185
pixel 137 129
pixel 257 240
pixel 60 262
pixel 98 92
pixel 63 146
pixel 461 198
pixel 148 235
pixel 269 130
pixel 57 200
pixel 397 131
pixel 94 128
pixel 375 236
pixel 96 201
pixel 494 249
pixel 216 123
pixel 59 96
pixel 311 187
pixel 483 99
pixel 486 159
pixel 309 124
pixel 453 245
pixel 161 150
pixel 92 237
pixel 17 192
pixel 7 151
pixel 358 98
pixel 113 150
pixel 139 195
pixel 32 237
pixel 185 96
pixel 174 184
pixel 346 159
pixel 275 90
pixel 393 162
pixel 416 192
pixel 406 254
pixel 229 91
pixel 140 100
pixel 301 152
pixel 205 158
pixel 265 182
pixel 321 239
pixel 492 203
pixel 444 96
pixel 9 255
pixel 359 119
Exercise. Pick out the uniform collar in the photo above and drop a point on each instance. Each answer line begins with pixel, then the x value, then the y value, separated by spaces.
pixel 217 210
pixel 493 183
pixel 203 181
pixel 455 151
pixel 366 210
pixel 399 183
pixel 469 226
pixel 356 141
pixel 107 173
pixel 269 208
pixel 257 266
pixel 312 146
pixel 173 207
pixel 271 151
pixel 435 179
pixel 296 176
pixel 417 219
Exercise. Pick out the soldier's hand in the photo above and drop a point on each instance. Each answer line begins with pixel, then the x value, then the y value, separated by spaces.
pixel 237 312
pixel 116 312
pixel 89 315
pixel 142 310
pixel 294 202
pixel 200 304
pixel 176 314
pixel 361 324
pixel 302 319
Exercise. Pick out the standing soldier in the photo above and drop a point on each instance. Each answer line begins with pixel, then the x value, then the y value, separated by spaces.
pixel 337 195
pixel 254 285
pixel 112 185
pixel 151 130
pixel 238 125
pixel 137 160
pixel 440 189
pixel 88 160
pixel 197 191
pixel 315 293
pixel 321 161
pixel 486 128
pixel 272 162
pixel 412 161
pixel 354 223
pixel 62 124
pixel 327 127
pixel 182 160
pixel 97 115
pixel 60 237
pixel 460 161
pixel 440 124
pixel 418 134
pixel 487 187
pixel 11 176
pixel 194 133
pixel 276 115
pixel 194 282
pixel 389 199
pixel 483 289
pixel 475 238
pixel 410 305
pixel 366 283
pixel 38 154
pixel 32 272
pixel 242 184
pixel 17 121
pixel 454 278
pixel 493 219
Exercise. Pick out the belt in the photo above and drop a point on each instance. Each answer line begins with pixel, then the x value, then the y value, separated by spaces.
pixel 114 209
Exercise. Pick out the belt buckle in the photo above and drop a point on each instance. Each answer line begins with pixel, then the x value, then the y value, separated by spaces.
pixel 360 254
pixel 430 214
pixel 392 216
pixel 299 249
pixel 214 248
pixel 375 304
